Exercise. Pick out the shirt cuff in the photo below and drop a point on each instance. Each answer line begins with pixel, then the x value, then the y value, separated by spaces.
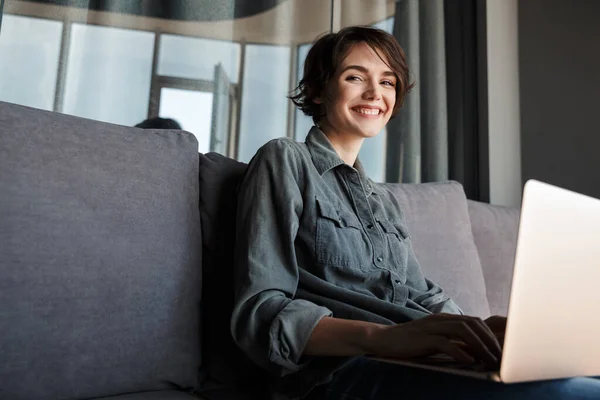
pixel 290 332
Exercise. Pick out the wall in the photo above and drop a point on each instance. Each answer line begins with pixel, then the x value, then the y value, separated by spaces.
pixel 559 55
pixel 503 102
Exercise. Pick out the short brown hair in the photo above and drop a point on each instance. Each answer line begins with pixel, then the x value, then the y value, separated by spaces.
pixel 328 52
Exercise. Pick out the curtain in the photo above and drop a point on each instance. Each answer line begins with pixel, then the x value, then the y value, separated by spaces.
pixel 1 9
pixel 440 133
pixel 422 123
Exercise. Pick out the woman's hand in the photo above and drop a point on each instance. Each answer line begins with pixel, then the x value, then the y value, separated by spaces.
pixel 464 338
pixel 497 325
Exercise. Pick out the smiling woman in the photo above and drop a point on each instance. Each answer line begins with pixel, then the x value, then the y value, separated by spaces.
pixel 322 63
pixel 360 100
pixel 311 245
pixel 384 57
pixel 325 272
pixel 319 243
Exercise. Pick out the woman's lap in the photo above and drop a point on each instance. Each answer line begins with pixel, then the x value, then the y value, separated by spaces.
pixel 367 379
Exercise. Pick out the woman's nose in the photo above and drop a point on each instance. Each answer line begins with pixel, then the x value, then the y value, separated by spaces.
pixel 372 92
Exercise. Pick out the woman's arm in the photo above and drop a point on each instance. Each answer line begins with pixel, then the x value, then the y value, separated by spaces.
pixel 342 337
pixel 464 338
pixel 267 323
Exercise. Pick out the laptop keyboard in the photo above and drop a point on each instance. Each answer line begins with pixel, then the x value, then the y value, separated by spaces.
pixel 448 362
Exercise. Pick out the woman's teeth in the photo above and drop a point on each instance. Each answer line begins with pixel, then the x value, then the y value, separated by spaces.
pixel 367 111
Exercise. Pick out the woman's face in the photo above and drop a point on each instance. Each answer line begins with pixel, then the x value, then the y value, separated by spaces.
pixel 361 97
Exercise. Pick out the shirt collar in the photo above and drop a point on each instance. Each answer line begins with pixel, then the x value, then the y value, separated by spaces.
pixel 325 157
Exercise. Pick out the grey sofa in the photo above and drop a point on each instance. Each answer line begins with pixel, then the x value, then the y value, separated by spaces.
pixel 115 260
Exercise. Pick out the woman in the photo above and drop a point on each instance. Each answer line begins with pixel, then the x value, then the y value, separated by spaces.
pixel 325 270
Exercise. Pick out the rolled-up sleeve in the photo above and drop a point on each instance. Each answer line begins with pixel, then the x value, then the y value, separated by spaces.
pixel 268 324
pixel 436 301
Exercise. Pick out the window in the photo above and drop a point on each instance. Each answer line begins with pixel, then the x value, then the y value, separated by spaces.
pixel 108 74
pixel 29 50
pixel 192 109
pixel 195 58
pixel 264 105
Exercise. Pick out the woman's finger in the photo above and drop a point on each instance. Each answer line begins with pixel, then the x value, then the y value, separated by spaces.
pixel 487 336
pixel 458 329
pixel 481 330
pixel 446 346
pixel 496 323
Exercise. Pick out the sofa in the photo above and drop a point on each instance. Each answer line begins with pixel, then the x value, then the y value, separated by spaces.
pixel 116 255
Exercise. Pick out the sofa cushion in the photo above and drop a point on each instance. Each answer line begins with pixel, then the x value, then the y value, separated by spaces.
pixel 100 257
pixel 219 178
pixel 495 230
pixel 228 373
pixel 439 224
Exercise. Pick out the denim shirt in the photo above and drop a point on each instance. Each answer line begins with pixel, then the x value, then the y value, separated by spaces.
pixel 315 237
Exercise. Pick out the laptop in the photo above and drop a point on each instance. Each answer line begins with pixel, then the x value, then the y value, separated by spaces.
pixel 553 324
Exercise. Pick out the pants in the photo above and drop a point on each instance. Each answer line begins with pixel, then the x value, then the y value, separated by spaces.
pixel 366 379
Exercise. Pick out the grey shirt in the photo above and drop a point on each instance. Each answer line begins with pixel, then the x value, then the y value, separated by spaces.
pixel 315 237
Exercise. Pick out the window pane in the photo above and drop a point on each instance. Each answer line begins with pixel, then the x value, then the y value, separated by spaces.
pixel 372 156
pixel 29 52
pixel 386 25
pixel 264 102
pixel 195 58
pixel 108 74
pixel 192 109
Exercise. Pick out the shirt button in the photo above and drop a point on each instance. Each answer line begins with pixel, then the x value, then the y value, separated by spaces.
pixel 380 259
pixel 370 226
pixel 397 281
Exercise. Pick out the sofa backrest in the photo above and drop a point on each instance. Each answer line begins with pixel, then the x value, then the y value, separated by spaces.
pixel 495 232
pixel 100 257
pixel 227 372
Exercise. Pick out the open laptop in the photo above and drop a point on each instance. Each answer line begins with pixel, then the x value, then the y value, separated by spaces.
pixel 553 326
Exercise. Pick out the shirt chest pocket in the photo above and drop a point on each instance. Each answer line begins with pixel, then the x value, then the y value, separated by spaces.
pixel 397 237
pixel 339 238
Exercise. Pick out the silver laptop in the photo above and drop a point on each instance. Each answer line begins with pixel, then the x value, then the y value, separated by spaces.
pixel 553 327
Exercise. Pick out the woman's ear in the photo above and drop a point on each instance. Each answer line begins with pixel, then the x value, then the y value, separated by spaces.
pixel 317 100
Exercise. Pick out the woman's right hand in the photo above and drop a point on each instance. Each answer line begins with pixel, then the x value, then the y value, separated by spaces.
pixel 464 338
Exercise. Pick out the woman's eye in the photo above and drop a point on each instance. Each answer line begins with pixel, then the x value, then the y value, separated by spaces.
pixel 388 83
pixel 353 78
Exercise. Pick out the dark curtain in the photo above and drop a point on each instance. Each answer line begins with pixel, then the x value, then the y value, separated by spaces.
pixel 421 125
pixel 441 132
pixel 467 96
pixel 1 11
